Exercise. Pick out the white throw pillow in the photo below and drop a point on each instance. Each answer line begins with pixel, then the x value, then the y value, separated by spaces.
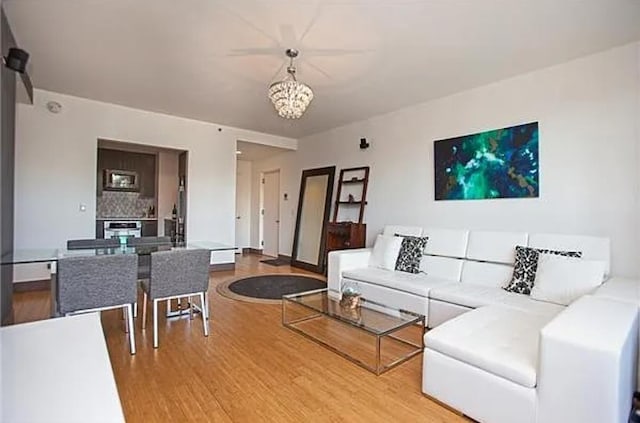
pixel 385 252
pixel 562 280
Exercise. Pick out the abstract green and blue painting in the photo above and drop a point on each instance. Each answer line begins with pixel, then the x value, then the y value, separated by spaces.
pixel 501 163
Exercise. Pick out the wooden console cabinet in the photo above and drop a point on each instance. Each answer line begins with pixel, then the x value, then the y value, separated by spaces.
pixel 346 235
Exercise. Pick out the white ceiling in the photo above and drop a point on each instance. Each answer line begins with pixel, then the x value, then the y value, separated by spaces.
pixel 213 60
pixel 254 152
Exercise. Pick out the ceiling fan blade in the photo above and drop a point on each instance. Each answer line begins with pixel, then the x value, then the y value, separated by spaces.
pixel 335 51
pixel 317 69
pixel 249 23
pixel 254 52
pixel 275 75
pixel 312 22
pixel 288 36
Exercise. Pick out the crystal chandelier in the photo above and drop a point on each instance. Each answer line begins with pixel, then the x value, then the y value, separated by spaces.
pixel 290 97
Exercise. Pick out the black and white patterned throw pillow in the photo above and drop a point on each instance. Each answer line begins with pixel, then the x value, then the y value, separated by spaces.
pixel 526 266
pixel 411 253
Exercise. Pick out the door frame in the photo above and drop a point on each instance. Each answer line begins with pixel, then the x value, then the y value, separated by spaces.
pixel 260 211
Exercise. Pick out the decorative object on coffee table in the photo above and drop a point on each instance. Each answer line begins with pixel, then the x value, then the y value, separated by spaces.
pixel 350 298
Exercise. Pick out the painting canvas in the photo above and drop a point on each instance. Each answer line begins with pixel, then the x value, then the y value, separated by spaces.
pixel 502 163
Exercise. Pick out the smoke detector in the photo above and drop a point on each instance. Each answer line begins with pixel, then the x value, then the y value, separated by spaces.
pixel 54 107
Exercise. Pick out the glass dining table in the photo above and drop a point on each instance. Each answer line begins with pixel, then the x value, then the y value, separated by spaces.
pixel 52 255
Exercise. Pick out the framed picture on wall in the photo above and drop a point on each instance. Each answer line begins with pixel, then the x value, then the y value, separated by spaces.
pixel 501 163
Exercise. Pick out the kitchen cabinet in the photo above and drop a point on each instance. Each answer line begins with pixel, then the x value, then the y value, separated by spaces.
pixel 99 229
pixel 142 163
pixel 149 228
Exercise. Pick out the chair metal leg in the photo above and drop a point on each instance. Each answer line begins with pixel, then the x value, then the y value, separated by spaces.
pixel 144 310
pixel 132 336
pixel 205 321
pixel 135 309
pixel 126 320
pixel 155 323
pixel 190 303
pixel 206 305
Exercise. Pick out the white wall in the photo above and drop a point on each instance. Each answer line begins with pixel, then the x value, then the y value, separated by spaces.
pixel 588 110
pixel 56 161
pixel 168 185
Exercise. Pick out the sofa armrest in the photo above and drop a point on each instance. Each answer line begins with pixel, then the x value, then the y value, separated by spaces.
pixel 342 260
pixel 587 362
pixel 621 289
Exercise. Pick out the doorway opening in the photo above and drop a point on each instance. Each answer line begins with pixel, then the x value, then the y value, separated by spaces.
pixel 254 163
pixel 141 190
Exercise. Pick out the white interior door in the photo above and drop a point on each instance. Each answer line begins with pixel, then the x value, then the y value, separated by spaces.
pixel 271 213
pixel 243 204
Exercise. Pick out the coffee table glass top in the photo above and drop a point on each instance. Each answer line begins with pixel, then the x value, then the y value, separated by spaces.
pixel 373 317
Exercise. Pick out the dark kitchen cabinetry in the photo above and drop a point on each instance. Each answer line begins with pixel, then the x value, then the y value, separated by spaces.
pixel 149 228
pixel 99 229
pixel 141 163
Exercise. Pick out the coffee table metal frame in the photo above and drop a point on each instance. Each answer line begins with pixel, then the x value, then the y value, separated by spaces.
pixel 379 368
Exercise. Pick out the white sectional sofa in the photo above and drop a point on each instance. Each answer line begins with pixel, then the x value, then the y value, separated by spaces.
pixel 498 356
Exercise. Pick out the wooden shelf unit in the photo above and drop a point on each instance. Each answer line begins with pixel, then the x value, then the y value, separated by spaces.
pixel 362 201
pixel 346 235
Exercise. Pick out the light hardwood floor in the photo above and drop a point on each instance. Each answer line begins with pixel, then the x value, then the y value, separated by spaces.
pixel 250 368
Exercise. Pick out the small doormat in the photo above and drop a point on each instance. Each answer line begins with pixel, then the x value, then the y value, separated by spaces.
pixel 268 288
pixel 276 262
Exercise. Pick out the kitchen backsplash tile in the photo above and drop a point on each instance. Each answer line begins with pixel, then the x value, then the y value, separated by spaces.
pixel 122 204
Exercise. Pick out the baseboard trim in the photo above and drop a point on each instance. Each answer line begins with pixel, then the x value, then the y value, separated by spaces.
pixel 222 267
pixel 41 285
pixel 251 251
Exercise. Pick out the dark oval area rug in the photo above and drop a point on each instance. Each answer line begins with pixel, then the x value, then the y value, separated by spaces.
pixel 269 288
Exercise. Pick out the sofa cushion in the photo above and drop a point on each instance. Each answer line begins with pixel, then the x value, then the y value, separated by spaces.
pixel 385 252
pixel 528 304
pixel 391 230
pixel 499 340
pixel 562 280
pixel 413 283
pixel 526 265
pixel 469 295
pixel 411 253
pixel 474 296
pixel 496 247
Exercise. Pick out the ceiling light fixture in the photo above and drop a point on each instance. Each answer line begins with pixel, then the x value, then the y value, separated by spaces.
pixel 290 97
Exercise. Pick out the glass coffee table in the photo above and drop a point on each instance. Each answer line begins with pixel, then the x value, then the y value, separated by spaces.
pixel 372 335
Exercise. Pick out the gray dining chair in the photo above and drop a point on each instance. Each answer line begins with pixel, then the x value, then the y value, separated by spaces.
pixel 95 283
pixel 176 274
pixel 144 260
pixel 82 244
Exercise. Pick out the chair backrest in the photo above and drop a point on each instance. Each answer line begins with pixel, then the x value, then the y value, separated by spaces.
pixel 144 260
pixel 80 244
pixel 179 272
pixel 148 240
pixel 96 281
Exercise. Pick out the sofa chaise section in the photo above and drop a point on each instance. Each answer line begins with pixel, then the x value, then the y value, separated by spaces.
pixel 500 365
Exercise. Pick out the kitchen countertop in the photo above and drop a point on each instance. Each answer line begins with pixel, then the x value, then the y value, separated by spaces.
pixel 126 218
